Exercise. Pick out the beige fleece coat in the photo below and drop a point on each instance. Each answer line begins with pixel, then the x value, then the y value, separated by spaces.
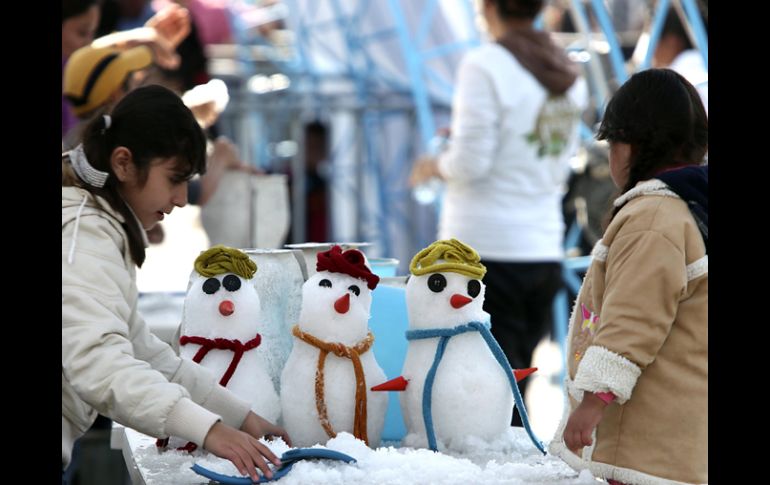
pixel 639 329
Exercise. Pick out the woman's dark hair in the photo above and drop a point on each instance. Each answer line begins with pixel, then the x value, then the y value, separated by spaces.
pixel 520 9
pixel 660 114
pixel 73 8
pixel 152 122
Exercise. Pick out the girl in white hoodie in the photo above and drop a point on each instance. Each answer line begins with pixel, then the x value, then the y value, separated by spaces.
pixel 131 170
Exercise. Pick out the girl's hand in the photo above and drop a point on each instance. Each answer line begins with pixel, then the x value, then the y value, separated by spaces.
pixel 258 427
pixel 582 422
pixel 242 449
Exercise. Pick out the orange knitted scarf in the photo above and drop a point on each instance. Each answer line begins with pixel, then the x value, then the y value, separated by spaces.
pixel 352 353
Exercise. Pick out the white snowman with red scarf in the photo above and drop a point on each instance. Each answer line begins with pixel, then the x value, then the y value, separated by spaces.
pixel 221 327
pixel 325 383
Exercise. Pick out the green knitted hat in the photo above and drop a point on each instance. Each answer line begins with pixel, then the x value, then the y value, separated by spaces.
pixel 222 259
pixel 457 257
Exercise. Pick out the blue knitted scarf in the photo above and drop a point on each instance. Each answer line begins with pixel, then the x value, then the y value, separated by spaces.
pixel 444 335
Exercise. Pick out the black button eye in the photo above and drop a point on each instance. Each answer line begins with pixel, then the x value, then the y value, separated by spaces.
pixel 325 283
pixel 211 286
pixel 437 283
pixel 474 288
pixel 354 289
pixel 231 283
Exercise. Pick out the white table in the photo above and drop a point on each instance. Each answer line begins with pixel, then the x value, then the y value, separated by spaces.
pixel 146 466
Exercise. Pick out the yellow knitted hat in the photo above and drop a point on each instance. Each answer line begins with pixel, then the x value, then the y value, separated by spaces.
pixel 457 257
pixel 222 259
pixel 92 74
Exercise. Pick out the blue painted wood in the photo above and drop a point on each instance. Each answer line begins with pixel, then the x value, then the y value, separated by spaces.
pixel 389 322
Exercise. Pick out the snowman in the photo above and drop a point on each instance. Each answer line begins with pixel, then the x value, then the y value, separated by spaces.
pixel 456 379
pixel 324 383
pixel 221 325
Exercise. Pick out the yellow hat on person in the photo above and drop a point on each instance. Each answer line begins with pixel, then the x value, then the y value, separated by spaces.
pixel 92 74
pixel 448 255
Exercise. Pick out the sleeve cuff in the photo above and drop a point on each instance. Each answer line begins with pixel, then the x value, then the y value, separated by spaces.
pixel 602 370
pixel 190 421
pixel 225 403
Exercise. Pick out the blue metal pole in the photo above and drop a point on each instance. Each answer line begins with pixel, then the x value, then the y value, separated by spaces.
pixel 425 22
pixel 696 22
pixel 594 64
pixel 560 326
pixel 616 54
pixel 657 26
pixel 413 62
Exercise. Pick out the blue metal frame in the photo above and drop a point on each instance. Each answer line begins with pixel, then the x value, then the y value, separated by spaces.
pixel 369 80
pixel 658 19
pixel 694 21
pixel 616 54
pixel 571 267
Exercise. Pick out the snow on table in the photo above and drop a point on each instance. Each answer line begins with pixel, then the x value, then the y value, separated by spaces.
pixel 512 459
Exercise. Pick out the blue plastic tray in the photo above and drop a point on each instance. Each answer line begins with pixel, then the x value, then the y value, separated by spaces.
pixel 288 460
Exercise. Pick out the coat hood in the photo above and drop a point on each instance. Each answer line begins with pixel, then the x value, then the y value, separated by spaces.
pixel 77 203
pixel 72 198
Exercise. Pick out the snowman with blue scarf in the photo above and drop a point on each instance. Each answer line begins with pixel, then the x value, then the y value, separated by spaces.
pixel 456 380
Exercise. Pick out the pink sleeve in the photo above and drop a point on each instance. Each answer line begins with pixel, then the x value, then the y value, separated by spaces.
pixel 607 397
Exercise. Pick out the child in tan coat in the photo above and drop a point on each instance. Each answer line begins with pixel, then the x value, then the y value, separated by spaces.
pixel 638 338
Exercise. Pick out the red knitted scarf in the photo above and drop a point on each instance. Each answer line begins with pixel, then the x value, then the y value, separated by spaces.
pixel 222 344
pixel 207 344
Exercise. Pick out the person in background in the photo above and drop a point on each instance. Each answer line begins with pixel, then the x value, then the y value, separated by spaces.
pixel 96 79
pixel 78 25
pixel 80 20
pixel 130 172
pixel 515 119
pixel 637 357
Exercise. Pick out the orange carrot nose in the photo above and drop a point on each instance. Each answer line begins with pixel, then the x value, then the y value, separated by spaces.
pixel 226 308
pixel 459 301
pixel 522 373
pixel 342 305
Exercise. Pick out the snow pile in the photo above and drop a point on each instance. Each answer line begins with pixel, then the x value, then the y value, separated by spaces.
pixel 509 460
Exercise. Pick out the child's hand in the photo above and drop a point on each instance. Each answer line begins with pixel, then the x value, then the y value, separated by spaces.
pixel 172 24
pixel 258 427
pixel 582 422
pixel 242 449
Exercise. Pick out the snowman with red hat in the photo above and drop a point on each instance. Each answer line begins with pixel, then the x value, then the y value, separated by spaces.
pixel 324 387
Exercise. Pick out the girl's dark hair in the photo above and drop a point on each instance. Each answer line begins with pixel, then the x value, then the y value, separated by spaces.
pixel 73 8
pixel 660 114
pixel 152 122
pixel 520 9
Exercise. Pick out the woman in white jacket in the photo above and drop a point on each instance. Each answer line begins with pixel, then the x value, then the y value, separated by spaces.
pixel 515 116
pixel 130 171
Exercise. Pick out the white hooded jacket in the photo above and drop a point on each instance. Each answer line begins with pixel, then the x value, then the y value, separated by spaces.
pixel 111 363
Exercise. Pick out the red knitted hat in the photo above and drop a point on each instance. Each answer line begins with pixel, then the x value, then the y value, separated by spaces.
pixel 350 262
